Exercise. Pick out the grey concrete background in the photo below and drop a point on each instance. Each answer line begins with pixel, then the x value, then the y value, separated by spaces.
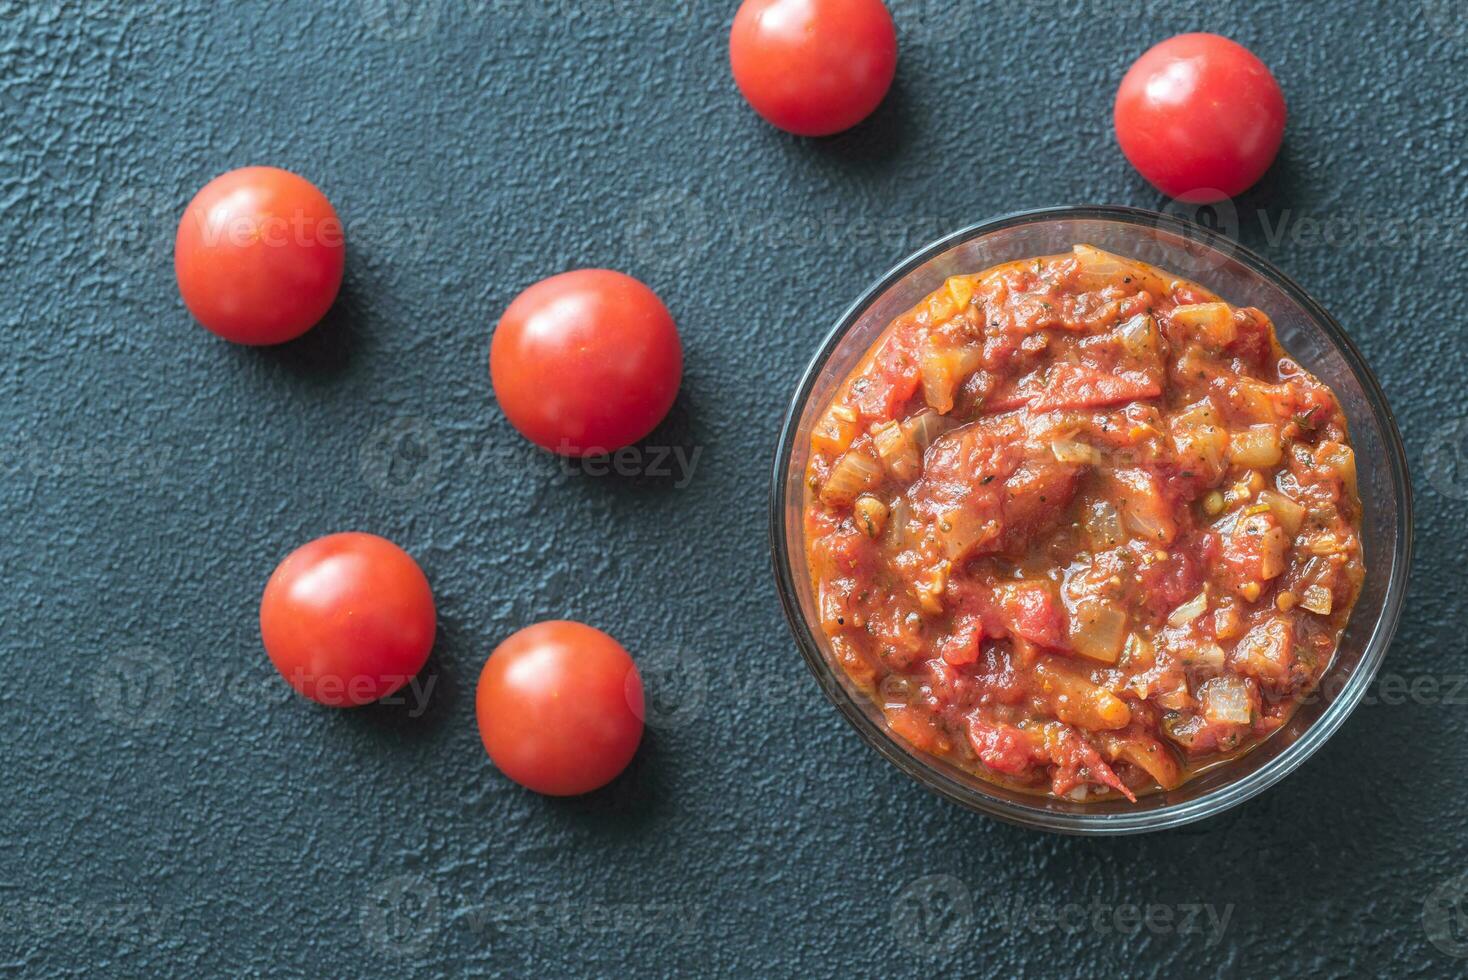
pixel 171 809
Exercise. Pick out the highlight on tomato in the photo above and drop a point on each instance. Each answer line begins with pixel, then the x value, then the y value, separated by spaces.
pixel 813 67
pixel 560 708
pixel 348 619
pixel 1200 117
pixel 259 256
pixel 586 362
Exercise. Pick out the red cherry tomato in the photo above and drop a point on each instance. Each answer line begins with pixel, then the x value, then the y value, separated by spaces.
pixel 1200 117
pixel 586 362
pixel 259 256
pixel 813 67
pixel 348 619
pixel 560 708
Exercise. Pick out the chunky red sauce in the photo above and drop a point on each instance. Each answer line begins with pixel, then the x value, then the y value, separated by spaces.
pixel 1081 527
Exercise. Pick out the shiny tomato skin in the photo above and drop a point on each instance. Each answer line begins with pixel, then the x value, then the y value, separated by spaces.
pixel 1200 117
pixel 586 362
pixel 560 708
pixel 813 67
pixel 348 619
pixel 259 256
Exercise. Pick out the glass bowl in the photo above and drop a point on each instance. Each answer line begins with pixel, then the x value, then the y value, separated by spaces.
pixel 1307 332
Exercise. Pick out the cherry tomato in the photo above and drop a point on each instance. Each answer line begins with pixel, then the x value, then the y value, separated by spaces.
pixel 586 362
pixel 259 256
pixel 560 708
pixel 348 619
pixel 813 67
pixel 1200 117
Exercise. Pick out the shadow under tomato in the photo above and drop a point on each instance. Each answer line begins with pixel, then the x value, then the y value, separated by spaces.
pixel 668 459
pixel 418 708
pixel 622 807
pixel 1264 208
pixel 876 141
pixel 326 349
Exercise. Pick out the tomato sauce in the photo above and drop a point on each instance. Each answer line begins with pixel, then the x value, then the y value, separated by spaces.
pixel 1081 527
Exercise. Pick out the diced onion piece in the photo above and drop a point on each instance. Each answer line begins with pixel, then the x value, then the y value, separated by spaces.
pixel 1201 653
pixel 1182 728
pixel 1213 322
pixel 1272 553
pixel 1342 459
pixel 1139 337
pixel 1149 755
pixel 1262 534
pixel 1266 651
pixel 1200 440
pixel 930 588
pixel 1190 610
pixel 1228 622
pixel 1103 524
pixel 1139 654
pixel 1257 447
pixel 961 530
pixel 1098 630
pixel 833 433
pixel 1318 599
pixel 1175 699
pixel 896 451
pixel 1144 510
pixel 942 371
pixel 961 289
pixel 899 511
pixel 854 474
pixel 1076 701
pixel 1226 700
pixel 1289 514
pixel 1068 450
pixel 870 514
pixel 1098 269
pixel 1256 401
pixel 924 428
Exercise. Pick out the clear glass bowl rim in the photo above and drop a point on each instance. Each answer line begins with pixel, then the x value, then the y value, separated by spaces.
pixel 1159 818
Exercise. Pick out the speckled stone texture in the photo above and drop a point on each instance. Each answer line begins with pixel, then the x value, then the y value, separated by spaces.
pixel 171 810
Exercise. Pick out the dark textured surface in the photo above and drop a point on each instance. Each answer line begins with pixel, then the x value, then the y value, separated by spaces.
pixel 170 809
